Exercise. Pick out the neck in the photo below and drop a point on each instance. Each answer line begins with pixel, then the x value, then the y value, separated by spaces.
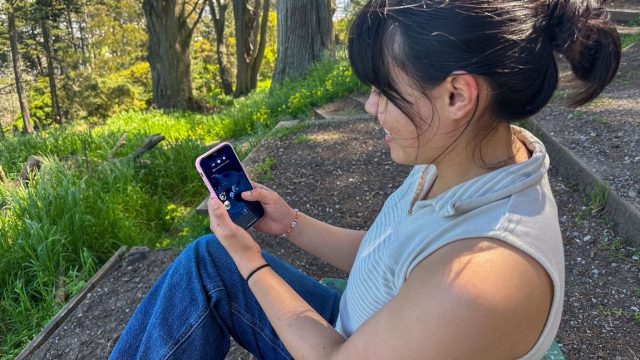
pixel 467 160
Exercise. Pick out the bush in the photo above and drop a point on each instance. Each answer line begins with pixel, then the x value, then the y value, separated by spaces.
pixel 86 96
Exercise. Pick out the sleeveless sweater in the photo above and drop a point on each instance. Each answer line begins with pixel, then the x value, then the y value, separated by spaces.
pixel 513 204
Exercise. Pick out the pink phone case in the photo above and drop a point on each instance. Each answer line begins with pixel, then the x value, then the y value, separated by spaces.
pixel 204 178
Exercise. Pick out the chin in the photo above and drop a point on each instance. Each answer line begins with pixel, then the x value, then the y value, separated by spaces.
pixel 403 159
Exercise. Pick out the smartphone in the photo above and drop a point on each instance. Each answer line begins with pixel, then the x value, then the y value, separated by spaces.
pixel 223 174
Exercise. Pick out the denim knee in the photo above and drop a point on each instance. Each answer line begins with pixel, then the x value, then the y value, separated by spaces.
pixel 206 246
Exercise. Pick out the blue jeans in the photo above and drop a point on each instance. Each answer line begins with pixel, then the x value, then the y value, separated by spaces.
pixel 201 300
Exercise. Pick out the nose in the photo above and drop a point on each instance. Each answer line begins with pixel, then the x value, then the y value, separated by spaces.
pixel 371 106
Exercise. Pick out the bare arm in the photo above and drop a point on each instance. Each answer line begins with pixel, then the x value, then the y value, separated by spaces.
pixel 335 245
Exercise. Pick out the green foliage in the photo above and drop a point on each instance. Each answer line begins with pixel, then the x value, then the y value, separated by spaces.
pixel 89 96
pixel 635 22
pixel 628 39
pixel 66 223
pixel 301 139
pixel 118 35
pixel 283 132
pixel 39 104
pixel 101 97
pixel 207 85
pixel 341 28
pixel 598 197
pixel 270 51
pixel 262 170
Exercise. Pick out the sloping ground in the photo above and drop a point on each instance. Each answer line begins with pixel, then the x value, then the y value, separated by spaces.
pixel 340 172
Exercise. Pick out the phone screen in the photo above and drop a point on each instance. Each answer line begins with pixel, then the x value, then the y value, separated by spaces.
pixel 224 172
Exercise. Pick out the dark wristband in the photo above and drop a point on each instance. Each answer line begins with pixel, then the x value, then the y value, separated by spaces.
pixel 256 270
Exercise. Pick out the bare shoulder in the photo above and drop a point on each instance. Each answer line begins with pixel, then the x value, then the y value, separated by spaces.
pixel 481 263
pixel 474 298
pixel 483 274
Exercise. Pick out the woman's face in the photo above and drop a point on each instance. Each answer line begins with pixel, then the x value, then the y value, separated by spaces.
pixel 410 143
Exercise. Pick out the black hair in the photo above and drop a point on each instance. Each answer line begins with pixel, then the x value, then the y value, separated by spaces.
pixel 509 43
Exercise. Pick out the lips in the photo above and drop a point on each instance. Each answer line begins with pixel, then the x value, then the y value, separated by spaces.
pixel 387 135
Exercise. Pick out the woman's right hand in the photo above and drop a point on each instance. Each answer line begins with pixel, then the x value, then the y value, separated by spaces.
pixel 278 215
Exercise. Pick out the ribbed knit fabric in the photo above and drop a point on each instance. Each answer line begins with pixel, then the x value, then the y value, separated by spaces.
pixel 513 204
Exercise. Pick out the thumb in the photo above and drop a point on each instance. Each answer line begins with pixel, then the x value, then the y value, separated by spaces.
pixel 221 223
pixel 257 194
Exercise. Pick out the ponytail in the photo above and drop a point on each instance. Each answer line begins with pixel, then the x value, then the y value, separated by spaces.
pixel 580 30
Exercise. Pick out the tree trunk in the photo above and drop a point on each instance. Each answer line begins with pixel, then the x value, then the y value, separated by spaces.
pixel 17 64
pixel 84 43
pixel 305 32
pixel 218 16
pixel 169 41
pixel 69 19
pixel 34 38
pixel 53 87
pixel 251 30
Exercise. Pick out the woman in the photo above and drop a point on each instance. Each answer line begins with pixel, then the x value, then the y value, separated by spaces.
pixel 464 260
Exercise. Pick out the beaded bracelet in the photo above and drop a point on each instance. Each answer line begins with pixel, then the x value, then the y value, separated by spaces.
pixel 293 224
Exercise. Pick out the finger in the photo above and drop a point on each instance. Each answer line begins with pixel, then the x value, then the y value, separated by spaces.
pixel 257 194
pixel 258 185
pixel 220 221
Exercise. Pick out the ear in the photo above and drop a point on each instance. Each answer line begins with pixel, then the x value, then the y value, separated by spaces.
pixel 462 89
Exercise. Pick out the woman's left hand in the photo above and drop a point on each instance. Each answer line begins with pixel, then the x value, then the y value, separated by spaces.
pixel 244 250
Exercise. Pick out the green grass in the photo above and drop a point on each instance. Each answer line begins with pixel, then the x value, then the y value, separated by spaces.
pixel 282 132
pixel 611 312
pixel 600 102
pixel 262 170
pixel 614 248
pixel 601 120
pixel 82 206
pixel 598 198
pixel 628 39
pixel 300 139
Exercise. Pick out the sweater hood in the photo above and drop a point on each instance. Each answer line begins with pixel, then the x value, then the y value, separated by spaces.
pixel 487 188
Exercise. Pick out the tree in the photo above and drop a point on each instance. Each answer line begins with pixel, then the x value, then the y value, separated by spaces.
pixel 251 22
pixel 305 32
pixel 170 32
pixel 17 71
pixel 43 8
pixel 218 16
